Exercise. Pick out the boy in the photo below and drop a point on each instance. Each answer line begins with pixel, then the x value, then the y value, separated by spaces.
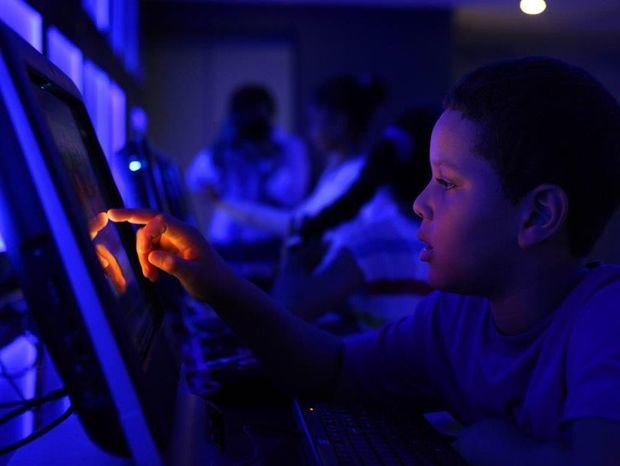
pixel 525 162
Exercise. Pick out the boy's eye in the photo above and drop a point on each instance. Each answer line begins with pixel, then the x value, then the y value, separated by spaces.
pixel 444 184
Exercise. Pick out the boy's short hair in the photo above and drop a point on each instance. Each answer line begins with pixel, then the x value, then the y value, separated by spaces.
pixel 544 121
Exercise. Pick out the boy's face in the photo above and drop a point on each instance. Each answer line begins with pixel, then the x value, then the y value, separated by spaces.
pixel 469 225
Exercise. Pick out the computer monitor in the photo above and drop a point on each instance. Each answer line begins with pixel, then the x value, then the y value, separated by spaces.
pixel 149 179
pixel 95 311
pixel 133 172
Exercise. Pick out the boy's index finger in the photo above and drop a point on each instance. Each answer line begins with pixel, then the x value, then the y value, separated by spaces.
pixel 155 224
pixel 155 228
pixel 136 216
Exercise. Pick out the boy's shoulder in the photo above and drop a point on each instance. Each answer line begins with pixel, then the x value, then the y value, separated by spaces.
pixel 603 275
pixel 593 327
pixel 598 294
pixel 600 279
pixel 594 299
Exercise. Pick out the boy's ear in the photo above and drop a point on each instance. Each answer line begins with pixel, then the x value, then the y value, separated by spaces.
pixel 544 210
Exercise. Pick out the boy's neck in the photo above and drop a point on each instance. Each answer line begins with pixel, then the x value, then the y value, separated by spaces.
pixel 539 293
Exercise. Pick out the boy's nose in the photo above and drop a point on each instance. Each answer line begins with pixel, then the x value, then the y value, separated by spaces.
pixel 421 208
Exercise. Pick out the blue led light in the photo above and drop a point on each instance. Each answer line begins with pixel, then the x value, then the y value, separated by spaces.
pixel 135 165
pixel 24 20
pixel 98 103
pixel 99 12
pixel 66 55
pixel 118 113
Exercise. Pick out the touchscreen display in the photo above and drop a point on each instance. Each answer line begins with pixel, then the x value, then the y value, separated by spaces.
pixel 70 140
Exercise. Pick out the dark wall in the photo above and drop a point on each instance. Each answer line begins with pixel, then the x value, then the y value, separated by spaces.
pixel 410 48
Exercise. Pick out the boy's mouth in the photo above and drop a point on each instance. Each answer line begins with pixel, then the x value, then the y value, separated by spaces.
pixel 426 252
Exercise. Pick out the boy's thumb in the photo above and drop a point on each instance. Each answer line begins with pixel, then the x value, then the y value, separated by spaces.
pixel 167 262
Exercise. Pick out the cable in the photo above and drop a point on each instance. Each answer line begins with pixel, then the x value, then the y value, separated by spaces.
pixel 53 395
pixel 213 406
pixel 35 435
pixel 27 405
pixel 255 454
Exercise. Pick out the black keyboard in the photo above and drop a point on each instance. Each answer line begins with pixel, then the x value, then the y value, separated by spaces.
pixel 351 435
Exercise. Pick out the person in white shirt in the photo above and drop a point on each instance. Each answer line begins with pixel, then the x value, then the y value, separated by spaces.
pixel 371 265
pixel 340 112
pixel 250 161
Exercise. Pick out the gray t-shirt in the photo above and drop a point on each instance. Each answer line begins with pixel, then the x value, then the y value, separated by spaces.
pixel 449 355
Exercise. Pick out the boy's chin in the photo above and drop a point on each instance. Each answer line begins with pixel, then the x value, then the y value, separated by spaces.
pixel 450 283
pixel 440 282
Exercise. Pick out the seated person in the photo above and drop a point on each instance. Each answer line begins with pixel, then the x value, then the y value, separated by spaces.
pixel 372 265
pixel 521 342
pixel 340 112
pixel 251 161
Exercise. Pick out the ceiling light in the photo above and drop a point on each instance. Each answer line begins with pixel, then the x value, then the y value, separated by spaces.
pixel 532 7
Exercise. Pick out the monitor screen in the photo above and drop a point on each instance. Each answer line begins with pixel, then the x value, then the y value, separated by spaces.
pixel 69 138
pixel 103 323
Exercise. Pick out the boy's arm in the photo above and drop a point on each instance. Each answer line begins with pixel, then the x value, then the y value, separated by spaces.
pixel 301 357
pixel 590 441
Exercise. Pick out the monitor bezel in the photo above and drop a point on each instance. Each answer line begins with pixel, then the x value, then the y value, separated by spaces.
pixel 156 393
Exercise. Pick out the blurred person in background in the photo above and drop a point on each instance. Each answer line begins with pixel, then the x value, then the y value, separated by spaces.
pixel 339 114
pixel 251 161
pixel 372 269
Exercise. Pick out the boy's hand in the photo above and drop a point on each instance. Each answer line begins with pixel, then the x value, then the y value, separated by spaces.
pixel 176 248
